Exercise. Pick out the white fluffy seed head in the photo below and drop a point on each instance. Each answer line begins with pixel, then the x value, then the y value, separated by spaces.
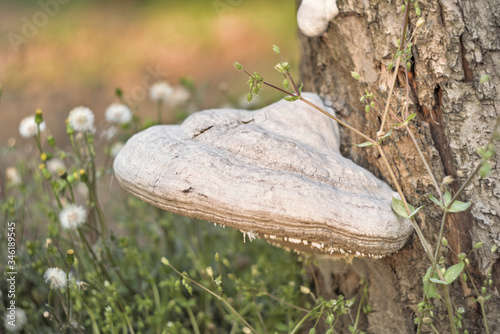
pixel 118 113
pixel 72 216
pixel 56 277
pixel 81 119
pixel 160 91
pixel 28 127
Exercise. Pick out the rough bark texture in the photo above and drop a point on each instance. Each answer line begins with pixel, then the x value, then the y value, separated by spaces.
pixel 458 43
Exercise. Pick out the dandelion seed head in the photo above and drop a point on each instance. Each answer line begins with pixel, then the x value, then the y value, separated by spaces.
pixel 55 165
pixel 81 119
pixel 15 322
pixel 12 176
pixel 180 95
pixel 56 277
pixel 28 127
pixel 72 216
pixel 118 113
pixel 160 91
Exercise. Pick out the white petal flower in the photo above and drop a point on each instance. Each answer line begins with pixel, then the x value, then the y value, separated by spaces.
pixel 28 128
pixel 160 91
pixel 81 119
pixel 56 277
pixel 15 320
pixel 118 113
pixel 72 216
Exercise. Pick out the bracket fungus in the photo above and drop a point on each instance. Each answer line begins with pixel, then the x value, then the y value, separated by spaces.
pixel 313 16
pixel 275 173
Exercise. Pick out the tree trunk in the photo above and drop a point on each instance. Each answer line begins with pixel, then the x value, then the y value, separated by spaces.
pixel 453 49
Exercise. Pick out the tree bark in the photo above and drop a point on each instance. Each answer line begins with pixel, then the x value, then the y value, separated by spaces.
pixel 453 49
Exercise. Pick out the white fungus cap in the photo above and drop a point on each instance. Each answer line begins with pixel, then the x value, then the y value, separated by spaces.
pixel 314 16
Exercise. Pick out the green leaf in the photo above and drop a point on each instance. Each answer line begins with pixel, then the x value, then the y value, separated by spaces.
pixel 437 281
pixel 291 98
pixel 447 197
pixel 365 144
pixel 414 212
pixel 485 169
pixel 399 207
pixel 385 136
pixel 458 206
pixel 435 200
pixel 484 78
pixel 453 272
pixel 276 49
pixel 285 83
pixel 300 87
pixel 429 288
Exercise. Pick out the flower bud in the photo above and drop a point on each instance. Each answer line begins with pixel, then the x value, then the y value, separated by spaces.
pixel 83 175
pixel 38 116
pixel 478 245
pixel 447 180
pixel 355 75
pixel 420 22
pixel 444 241
pixel 51 140
pixel 70 257
pixel 63 174
pixel 237 66
pixel 305 290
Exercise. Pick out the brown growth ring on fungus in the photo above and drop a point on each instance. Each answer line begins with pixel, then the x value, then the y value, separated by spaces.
pixel 275 173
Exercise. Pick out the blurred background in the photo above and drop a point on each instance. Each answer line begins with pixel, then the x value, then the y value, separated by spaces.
pixel 59 54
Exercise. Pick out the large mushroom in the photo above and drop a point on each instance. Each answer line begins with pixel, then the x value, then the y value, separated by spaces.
pixel 275 173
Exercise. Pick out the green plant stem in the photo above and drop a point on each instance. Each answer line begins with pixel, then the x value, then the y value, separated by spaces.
pixel 396 68
pixel 225 302
pixel 96 262
pixel 424 242
pixel 434 329
pixel 192 318
pixel 301 322
pixel 337 120
pixel 436 185
pixel 68 295
pixel 359 310
pixel 286 303
pixel 70 190
pixel 261 320
pixel 485 321
pixel 50 300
